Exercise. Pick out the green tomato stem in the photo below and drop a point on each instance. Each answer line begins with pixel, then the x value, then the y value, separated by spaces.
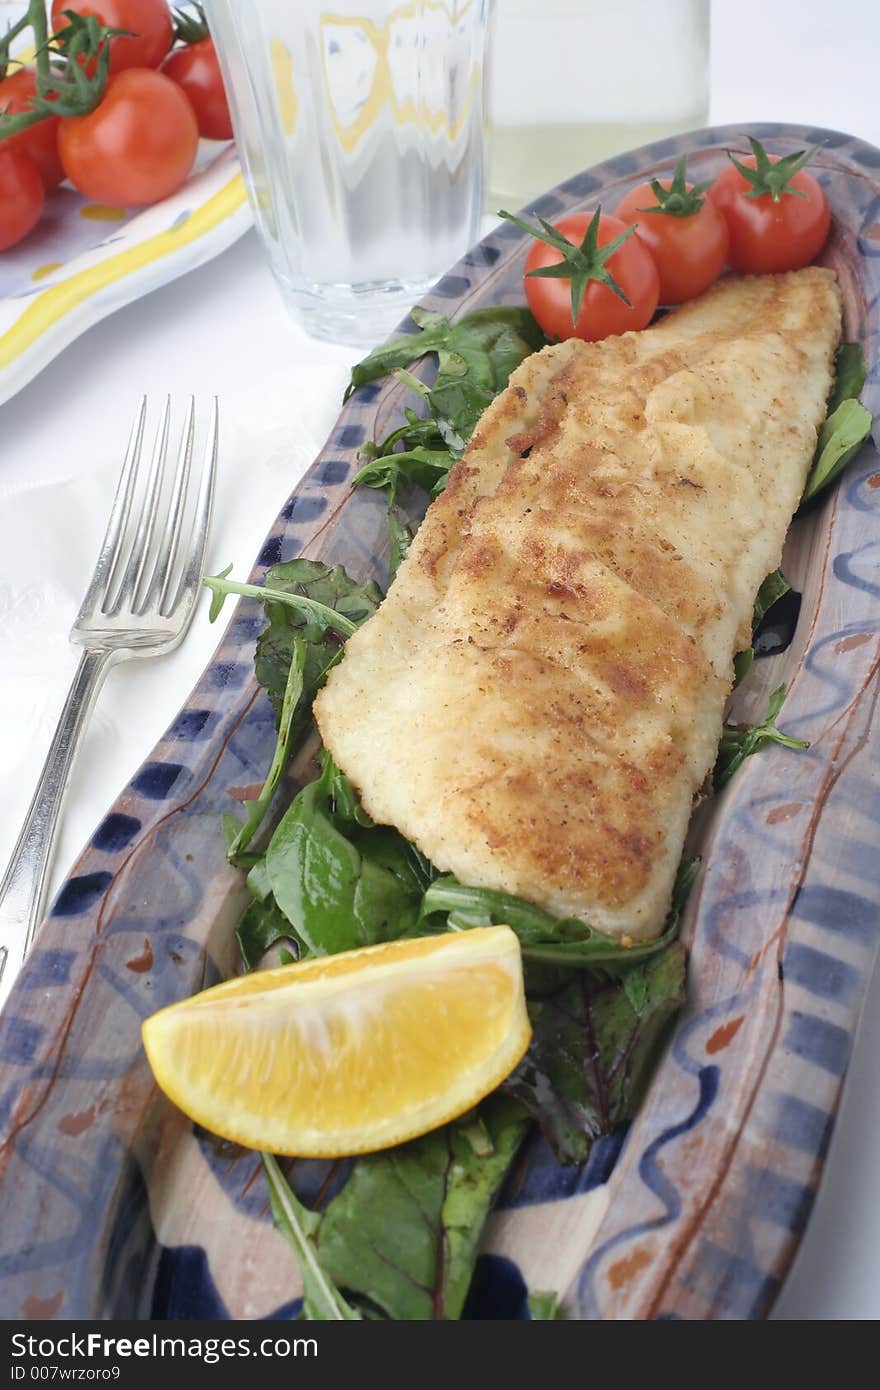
pixel 36 16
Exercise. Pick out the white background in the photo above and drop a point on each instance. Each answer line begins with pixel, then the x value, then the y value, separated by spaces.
pixel 223 330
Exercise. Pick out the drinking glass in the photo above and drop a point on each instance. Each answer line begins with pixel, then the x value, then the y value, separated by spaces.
pixel 575 81
pixel 360 125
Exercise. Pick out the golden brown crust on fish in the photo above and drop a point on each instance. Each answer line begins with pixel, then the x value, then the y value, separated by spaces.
pixel 540 696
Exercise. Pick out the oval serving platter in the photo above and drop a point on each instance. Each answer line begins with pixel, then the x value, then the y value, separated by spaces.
pixel 115 1208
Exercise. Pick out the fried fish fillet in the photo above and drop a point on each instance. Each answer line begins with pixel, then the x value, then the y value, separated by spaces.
pixel 540 695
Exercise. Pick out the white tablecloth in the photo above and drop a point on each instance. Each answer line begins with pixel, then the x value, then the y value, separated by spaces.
pixel 223 330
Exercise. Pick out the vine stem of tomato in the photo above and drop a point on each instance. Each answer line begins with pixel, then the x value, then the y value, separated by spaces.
pixel 73 87
pixel 37 19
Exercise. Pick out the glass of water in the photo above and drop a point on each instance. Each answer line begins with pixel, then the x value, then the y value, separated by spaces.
pixel 360 125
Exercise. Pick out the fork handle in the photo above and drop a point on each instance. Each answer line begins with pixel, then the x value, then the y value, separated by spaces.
pixel 23 888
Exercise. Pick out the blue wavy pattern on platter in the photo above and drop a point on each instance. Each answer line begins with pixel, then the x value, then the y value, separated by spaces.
pixel 114 1207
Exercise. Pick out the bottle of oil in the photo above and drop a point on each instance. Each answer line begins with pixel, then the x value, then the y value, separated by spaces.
pixel 574 81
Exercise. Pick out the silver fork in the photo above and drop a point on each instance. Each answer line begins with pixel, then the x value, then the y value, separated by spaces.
pixel 132 608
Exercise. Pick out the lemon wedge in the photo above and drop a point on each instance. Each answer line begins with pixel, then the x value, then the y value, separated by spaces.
pixel 349 1053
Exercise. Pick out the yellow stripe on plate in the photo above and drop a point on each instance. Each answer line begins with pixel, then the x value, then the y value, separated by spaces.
pixel 58 300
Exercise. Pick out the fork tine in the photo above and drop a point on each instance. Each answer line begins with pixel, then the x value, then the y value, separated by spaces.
pixel 99 586
pixel 192 574
pixel 157 592
pixel 140 550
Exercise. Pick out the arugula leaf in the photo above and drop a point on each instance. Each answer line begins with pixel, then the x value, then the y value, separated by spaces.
pixel 773 588
pixel 311 608
pixel 425 467
pixel 262 925
pixel 319 584
pixel 322 1301
pixel 433 333
pixel 474 364
pixel 847 425
pixel 544 938
pixel 475 357
pixel 593 1049
pixel 742 665
pixel 850 370
pixel 840 439
pixel 738 743
pixel 543 1305
pixel 400 538
pixel 474 360
pixel 405 1229
pixel 257 808
pixel 340 881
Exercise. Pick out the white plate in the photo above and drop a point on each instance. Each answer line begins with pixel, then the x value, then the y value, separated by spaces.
pixel 84 260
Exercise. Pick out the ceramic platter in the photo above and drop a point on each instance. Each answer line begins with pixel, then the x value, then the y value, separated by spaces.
pixel 114 1207
pixel 84 260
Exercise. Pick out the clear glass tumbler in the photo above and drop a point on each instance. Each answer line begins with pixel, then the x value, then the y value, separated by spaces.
pixel 360 125
pixel 575 81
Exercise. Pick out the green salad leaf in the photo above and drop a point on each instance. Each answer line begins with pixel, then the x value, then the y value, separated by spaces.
pixel 740 742
pixel 773 588
pixel 850 371
pixel 475 357
pixel 425 467
pixel 311 608
pixel 404 1231
pixel 291 701
pixel 315 583
pixel 546 940
pixel 322 1301
pixel 840 439
pixel 400 538
pixel 262 926
pixel 543 1305
pixel 593 1049
pixel 847 425
pixel 339 880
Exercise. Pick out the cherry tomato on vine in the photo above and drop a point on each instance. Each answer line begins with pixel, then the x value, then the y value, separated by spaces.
pixel 148 22
pixel 40 140
pixel 136 147
pixel 686 235
pixel 195 68
pixel 21 195
pixel 777 214
pixel 588 276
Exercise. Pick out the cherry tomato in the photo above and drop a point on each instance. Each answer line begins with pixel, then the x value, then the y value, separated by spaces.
pixel 195 68
pixel 766 235
pixel 148 21
pixel 690 249
pixel 40 141
pixel 21 195
pixel 136 147
pixel 602 312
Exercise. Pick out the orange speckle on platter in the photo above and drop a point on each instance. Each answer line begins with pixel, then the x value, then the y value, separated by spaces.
pixel 142 963
pixel 40 1308
pixel 48 269
pixel 724 1035
pixel 77 1121
pixel 97 212
pixel 848 644
pixel 874 480
pixel 785 812
pixel 622 1271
